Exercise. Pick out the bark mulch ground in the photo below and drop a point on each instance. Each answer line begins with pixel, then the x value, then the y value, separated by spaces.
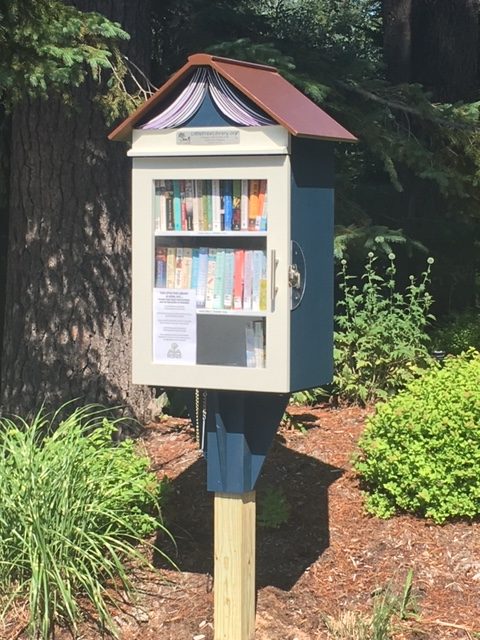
pixel 329 558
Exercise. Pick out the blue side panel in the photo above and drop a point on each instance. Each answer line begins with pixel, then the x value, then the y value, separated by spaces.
pixel 208 115
pixel 311 355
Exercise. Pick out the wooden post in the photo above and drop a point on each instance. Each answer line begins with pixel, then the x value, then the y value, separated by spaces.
pixel 234 571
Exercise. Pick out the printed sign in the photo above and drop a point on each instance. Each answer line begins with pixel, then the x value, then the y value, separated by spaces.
pixel 174 326
pixel 207 137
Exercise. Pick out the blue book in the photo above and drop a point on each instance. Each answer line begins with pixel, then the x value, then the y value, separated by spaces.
pixel 228 278
pixel 195 265
pixel 177 206
pixel 219 280
pixel 228 204
pixel 202 277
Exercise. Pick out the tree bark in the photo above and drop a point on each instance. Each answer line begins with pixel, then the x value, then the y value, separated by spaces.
pixel 445 48
pixel 397 39
pixel 67 324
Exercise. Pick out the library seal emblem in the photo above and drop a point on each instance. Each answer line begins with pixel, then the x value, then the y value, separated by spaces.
pixel 174 351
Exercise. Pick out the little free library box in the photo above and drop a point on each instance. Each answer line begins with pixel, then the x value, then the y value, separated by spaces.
pixel 232 231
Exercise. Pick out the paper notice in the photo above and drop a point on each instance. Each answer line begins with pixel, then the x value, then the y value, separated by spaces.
pixel 174 326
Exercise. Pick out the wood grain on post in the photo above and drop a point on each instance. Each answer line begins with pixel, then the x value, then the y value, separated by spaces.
pixel 234 572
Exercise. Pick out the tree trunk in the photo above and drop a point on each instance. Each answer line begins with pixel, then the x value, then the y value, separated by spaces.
pixel 445 48
pixel 67 325
pixel 397 39
pixel 5 134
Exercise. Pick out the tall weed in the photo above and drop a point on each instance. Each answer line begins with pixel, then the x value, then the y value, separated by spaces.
pixel 381 336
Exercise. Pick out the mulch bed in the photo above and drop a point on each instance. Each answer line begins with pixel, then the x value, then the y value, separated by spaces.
pixel 330 557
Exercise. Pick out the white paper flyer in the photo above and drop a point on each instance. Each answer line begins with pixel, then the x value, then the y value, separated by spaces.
pixel 174 326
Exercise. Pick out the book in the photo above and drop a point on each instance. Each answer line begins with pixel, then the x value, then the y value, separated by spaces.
pixel 219 280
pixel 201 199
pixel 262 193
pixel 253 203
pixel 250 345
pixel 207 207
pixel 189 198
pixel 216 218
pixel 259 343
pixel 210 286
pixel 228 278
pixel 178 267
pixel 236 205
pixel 247 281
pixel 202 277
pixel 244 205
pixel 159 207
pixel 228 204
pixel 183 205
pixel 238 279
pixel 263 220
pixel 257 264
pixel 195 207
pixel 160 267
pixel 263 283
pixel 171 264
pixel 186 268
pixel 177 206
pixel 195 266
pixel 169 205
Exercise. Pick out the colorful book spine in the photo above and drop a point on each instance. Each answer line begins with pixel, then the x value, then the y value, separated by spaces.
pixel 262 193
pixel 219 280
pixel 183 205
pixel 263 283
pixel 256 276
pixel 244 206
pixel 216 217
pixel 250 345
pixel 160 267
pixel 253 203
pixel 186 268
pixel 169 205
pixel 228 205
pixel 171 265
pixel 195 207
pixel 209 209
pixel 202 277
pixel 236 204
pixel 189 199
pixel 156 207
pixel 195 261
pixel 178 267
pixel 228 279
pixel 247 281
pixel 201 204
pixel 177 206
pixel 211 268
pixel 238 279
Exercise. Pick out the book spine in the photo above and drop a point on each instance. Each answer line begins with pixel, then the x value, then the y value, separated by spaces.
pixel 156 207
pixel 244 206
pixel 264 221
pixel 216 220
pixel 209 220
pixel 247 281
pixel 236 204
pixel 263 282
pixel 201 203
pixel 177 206
pixel 228 205
pixel 171 264
pixel 259 343
pixel 228 279
pixel 169 205
pixel 178 267
pixel 186 268
pixel 219 280
pixel 253 192
pixel 256 276
pixel 160 267
pixel 211 268
pixel 238 279
pixel 195 207
pixel 262 192
pixel 250 344
pixel 189 198
pixel 195 260
pixel 183 205
pixel 202 277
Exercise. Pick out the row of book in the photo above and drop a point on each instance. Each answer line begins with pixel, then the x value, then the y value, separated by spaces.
pixel 210 205
pixel 231 279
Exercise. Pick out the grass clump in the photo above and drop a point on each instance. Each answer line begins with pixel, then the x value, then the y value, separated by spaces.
pixel 420 452
pixel 73 506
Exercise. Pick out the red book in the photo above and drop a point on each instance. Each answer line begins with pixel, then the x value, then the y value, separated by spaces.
pixel 238 279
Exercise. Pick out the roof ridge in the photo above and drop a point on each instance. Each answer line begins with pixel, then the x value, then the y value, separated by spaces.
pixel 206 58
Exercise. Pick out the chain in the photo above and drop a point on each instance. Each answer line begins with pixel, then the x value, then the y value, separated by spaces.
pixel 204 419
pixel 197 416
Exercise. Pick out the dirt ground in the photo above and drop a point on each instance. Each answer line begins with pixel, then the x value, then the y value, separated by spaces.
pixel 327 559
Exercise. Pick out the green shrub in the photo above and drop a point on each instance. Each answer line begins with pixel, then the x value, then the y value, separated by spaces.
pixel 420 452
pixel 273 508
pixel 73 506
pixel 381 336
pixel 458 334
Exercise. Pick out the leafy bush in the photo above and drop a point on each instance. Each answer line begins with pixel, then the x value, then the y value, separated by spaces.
pixel 273 508
pixel 381 336
pixel 420 452
pixel 73 506
pixel 458 334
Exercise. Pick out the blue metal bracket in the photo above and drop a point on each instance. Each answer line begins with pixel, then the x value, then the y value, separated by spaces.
pixel 240 429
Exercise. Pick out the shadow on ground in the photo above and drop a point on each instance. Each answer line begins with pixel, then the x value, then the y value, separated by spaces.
pixel 283 553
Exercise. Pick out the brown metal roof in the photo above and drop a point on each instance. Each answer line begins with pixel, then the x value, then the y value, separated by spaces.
pixel 264 86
